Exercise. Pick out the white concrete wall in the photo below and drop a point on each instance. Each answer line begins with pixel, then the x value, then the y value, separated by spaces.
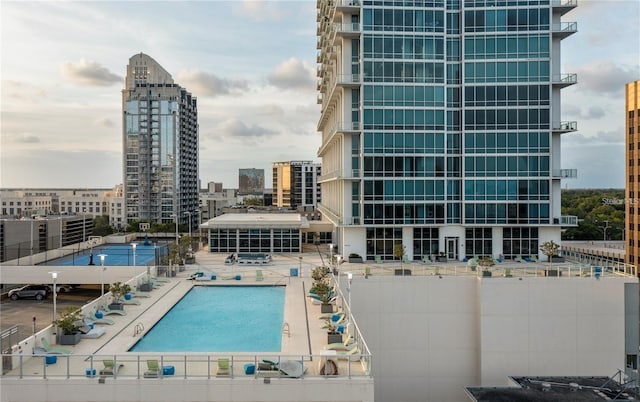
pixel 551 326
pixel 354 241
pixel 432 336
pixel 422 333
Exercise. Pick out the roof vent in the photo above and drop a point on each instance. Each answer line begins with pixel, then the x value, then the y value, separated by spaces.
pixel 545 386
pixel 573 387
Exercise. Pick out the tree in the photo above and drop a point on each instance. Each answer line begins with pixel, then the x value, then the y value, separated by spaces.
pixel 550 249
pixel 101 226
pixel 399 251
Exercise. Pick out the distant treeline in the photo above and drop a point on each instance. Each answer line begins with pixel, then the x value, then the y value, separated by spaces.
pixel 600 213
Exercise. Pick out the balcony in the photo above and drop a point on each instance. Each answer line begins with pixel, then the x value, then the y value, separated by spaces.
pixel 562 127
pixel 349 5
pixel 563 6
pixel 567 220
pixel 564 29
pixel 565 173
pixel 564 80
pixel 348 30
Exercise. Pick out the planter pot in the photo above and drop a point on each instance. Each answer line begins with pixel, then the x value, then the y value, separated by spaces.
pixel 116 306
pixel 70 339
pixel 552 272
pixel 145 287
pixel 557 259
pixel 128 296
pixel 326 308
pixel 355 259
pixel 334 337
pixel 486 274
pixel 441 258
pixel 402 272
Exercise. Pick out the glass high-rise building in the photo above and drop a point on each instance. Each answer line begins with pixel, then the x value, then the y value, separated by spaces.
pixel 295 184
pixel 441 125
pixel 160 145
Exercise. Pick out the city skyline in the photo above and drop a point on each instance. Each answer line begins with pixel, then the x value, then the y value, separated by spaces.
pixel 252 67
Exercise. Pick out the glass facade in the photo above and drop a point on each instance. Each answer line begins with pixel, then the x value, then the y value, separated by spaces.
pixel 453 121
pixel 254 240
pixel 161 146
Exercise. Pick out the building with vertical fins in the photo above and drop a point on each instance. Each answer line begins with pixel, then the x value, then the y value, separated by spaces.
pixel 441 125
pixel 632 132
pixel 160 145
pixel 295 184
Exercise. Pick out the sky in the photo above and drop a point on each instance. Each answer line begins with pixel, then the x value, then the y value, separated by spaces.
pixel 251 64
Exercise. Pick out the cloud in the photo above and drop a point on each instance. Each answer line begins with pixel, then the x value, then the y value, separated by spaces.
pixel 605 77
pixel 201 83
pixel 592 113
pixel 24 138
pixel 238 129
pixel 601 138
pixel 293 74
pixel 105 122
pixel 262 10
pixel 89 73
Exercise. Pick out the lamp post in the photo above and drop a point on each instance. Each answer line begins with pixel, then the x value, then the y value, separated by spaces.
pixel 31 245
pixel 300 266
pixel 331 256
pixel 606 226
pixel 134 245
pixel 84 210
pixel 60 219
pixel 338 261
pixel 102 257
pixel 189 213
pixel 175 217
pixel 349 279
pixel 54 275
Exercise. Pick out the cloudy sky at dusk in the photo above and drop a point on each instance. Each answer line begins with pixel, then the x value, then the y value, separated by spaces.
pixel 251 65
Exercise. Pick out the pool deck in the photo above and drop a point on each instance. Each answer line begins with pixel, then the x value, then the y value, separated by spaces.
pixel 302 334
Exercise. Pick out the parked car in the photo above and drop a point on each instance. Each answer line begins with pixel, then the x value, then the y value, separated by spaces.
pixel 61 288
pixel 38 292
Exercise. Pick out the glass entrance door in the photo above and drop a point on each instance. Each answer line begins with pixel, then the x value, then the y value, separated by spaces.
pixel 452 248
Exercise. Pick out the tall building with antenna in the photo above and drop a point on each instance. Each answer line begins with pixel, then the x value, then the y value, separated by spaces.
pixel 160 145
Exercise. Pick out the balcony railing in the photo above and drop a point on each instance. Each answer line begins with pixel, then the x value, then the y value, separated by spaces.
pixel 564 29
pixel 568 220
pixel 563 6
pixel 565 173
pixel 564 80
pixel 349 27
pixel 564 126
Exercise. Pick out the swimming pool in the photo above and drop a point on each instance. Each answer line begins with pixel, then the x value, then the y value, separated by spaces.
pixel 117 255
pixel 220 319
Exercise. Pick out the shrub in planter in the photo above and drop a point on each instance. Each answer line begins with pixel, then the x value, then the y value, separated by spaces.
pixel 69 324
pixel 353 257
pixel 118 290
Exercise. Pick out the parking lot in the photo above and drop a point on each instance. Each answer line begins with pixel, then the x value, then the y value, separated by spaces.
pixel 21 312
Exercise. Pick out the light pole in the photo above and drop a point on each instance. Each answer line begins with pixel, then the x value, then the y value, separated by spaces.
pixel 338 261
pixel 60 219
pixel 134 245
pixel 102 257
pixel 84 210
pixel 331 256
pixel 349 279
pixel 300 266
pixel 175 217
pixel 606 226
pixel 54 275
pixel 189 213
pixel 31 246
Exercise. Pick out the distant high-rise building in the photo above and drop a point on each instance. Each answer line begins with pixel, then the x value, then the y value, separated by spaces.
pixel 295 184
pixel 214 187
pixel 160 145
pixel 251 182
pixel 441 125
pixel 632 207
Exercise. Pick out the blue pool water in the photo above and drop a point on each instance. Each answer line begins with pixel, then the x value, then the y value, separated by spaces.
pixel 117 255
pixel 220 319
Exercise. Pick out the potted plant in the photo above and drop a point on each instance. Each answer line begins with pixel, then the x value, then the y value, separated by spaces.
pixel 485 263
pixel 550 249
pixel 333 335
pixel 442 257
pixel 324 294
pixel 118 290
pixel 354 257
pixel 69 323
